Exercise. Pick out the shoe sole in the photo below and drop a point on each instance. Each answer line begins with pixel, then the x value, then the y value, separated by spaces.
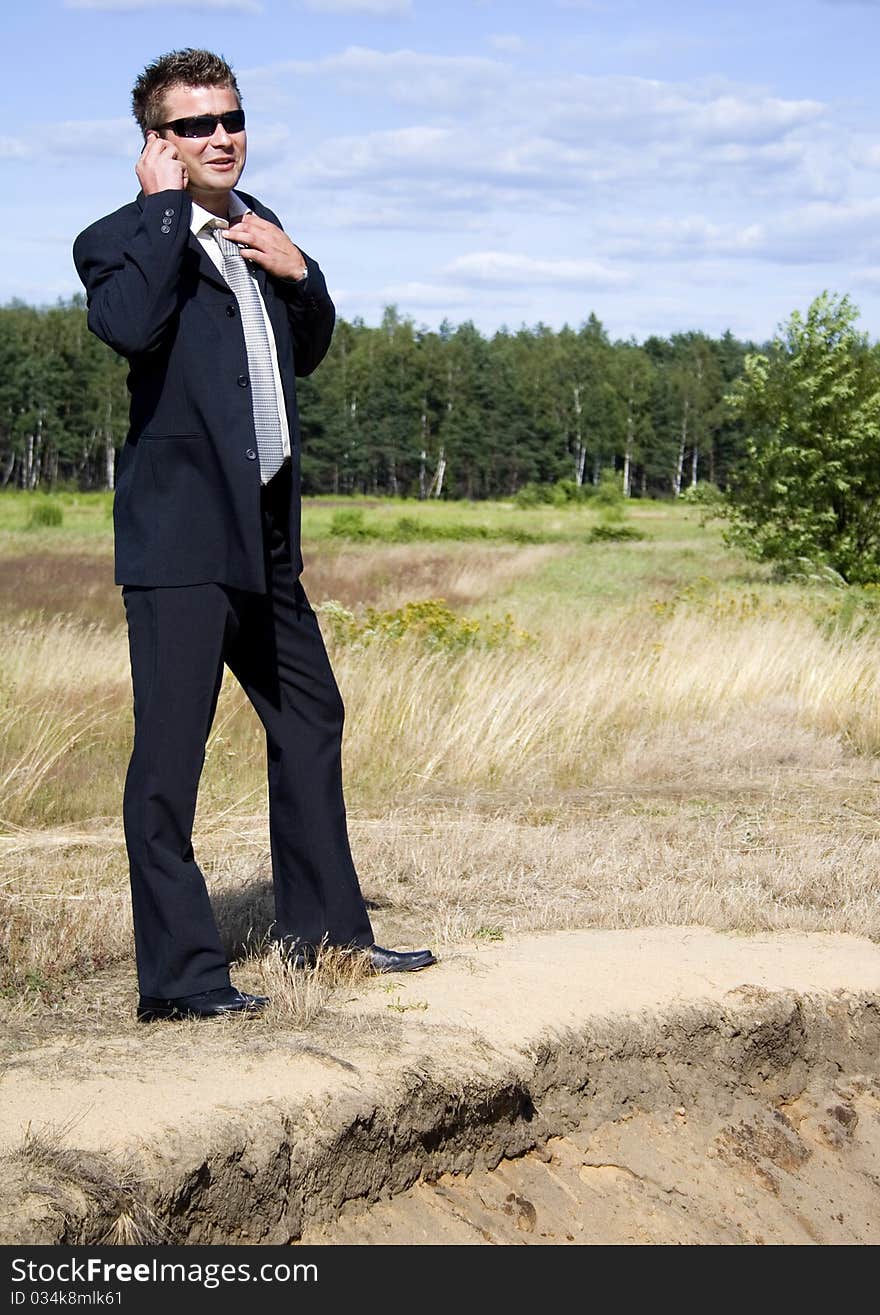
pixel 170 1014
pixel 410 968
pixel 302 965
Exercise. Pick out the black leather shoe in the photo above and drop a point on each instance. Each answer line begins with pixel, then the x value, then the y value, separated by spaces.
pixel 379 960
pixel 397 961
pixel 209 1004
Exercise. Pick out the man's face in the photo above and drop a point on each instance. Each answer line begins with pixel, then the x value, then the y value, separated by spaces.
pixel 214 164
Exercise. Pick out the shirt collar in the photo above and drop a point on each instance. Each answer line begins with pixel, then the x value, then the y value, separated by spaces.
pixel 202 218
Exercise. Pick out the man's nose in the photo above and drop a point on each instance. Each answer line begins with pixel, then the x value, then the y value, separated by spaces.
pixel 220 137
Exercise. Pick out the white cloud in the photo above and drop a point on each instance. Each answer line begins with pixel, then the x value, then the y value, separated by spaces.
pixel 866 278
pixel 519 268
pixel 130 6
pixel 378 155
pixel 643 109
pixel 103 137
pixel 865 155
pixel 443 82
pixel 508 43
pixel 374 8
pixel 815 233
pixel 427 294
pixel 13 149
pixel 485 149
pixel 595 116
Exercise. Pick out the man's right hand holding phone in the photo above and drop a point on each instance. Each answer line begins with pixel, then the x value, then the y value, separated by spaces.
pixel 159 168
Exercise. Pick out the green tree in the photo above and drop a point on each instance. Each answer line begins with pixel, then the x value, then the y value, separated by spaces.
pixel 808 489
pixel 634 377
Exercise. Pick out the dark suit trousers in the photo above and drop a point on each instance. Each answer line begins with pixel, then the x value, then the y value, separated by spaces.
pixel 179 640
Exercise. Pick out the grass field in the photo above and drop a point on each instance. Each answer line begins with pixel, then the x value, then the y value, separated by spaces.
pixel 584 734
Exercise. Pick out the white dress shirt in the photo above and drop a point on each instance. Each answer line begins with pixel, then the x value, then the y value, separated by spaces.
pixel 202 225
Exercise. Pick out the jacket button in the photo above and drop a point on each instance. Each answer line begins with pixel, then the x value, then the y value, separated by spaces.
pixel 165 228
pixel 168 214
pixel 251 454
pixel 230 311
pixel 242 381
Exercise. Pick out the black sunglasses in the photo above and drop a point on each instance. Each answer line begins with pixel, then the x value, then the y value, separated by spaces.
pixel 205 125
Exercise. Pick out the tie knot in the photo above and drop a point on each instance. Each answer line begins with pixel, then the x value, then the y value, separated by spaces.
pixel 220 233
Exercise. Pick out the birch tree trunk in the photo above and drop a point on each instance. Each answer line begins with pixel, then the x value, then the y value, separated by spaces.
pixel 423 455
pixel 435 488
pixel 679 468
pixel 628 450
pixel 580 452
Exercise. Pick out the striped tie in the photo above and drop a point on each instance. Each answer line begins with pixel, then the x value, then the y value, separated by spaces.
pixel 264 398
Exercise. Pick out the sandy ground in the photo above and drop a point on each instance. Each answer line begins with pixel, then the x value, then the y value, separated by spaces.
pixel 668 1084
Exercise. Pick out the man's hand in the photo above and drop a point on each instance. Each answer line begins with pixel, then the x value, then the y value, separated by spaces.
pixel 267 245
pixel 159 168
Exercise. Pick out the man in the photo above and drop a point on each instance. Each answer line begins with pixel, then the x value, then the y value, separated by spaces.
pixel 217 311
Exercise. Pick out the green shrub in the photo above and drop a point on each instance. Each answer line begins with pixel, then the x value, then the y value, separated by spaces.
pixel 532 495
pixel 703 494
pixel 348 523
pixel 568 490
pixel 430 622
pixel 45 514
pixel 406 529
pixel 806 493
pixel 560 494
pixel 613 534
pixel 608 496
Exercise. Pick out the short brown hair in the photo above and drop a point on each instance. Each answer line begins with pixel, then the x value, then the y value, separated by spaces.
pixel 186 68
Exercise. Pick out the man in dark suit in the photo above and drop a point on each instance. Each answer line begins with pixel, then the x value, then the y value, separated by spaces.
pixel 217 311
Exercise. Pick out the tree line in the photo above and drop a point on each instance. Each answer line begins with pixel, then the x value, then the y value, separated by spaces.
pixel 397 409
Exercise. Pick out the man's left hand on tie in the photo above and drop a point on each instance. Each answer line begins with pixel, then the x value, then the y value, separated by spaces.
pixel 267 245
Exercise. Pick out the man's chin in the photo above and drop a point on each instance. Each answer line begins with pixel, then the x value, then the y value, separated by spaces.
pixel 215 180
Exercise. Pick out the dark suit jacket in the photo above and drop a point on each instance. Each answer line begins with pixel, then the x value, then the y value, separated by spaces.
pixel 187 504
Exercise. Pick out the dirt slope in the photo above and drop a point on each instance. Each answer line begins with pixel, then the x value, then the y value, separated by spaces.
pixel 657 1085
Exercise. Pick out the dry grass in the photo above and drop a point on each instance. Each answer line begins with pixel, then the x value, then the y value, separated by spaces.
pixel 298 996
pixel 582 704
pixel 64 720
pixel 696 763
pixel 86 1189
pixel 737 866
pixel 60 584
pixel 390 575
pixel 53 585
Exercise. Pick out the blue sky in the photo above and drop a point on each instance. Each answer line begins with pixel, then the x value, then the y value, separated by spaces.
pixel 668 165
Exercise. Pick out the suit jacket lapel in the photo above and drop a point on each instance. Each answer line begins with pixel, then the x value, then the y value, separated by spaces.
pixel 197 254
